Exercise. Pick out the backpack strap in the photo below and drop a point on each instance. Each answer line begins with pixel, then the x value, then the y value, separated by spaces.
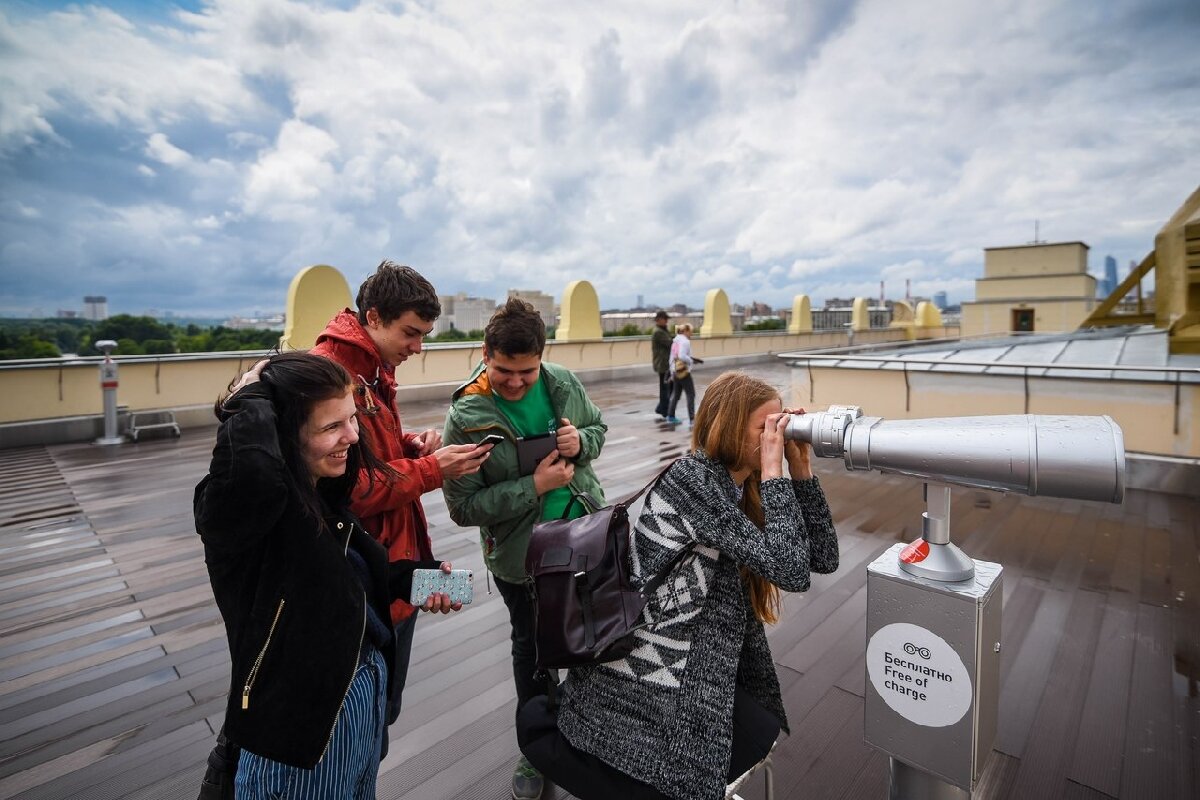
pixel 656 580
pixel 631 499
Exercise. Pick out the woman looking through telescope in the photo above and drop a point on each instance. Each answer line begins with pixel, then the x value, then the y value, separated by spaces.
pixel 734 521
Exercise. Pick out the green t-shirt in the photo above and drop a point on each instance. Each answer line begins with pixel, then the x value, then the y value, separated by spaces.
pixel 533 415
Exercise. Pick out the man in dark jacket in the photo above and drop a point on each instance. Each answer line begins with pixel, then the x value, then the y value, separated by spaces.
pixel 660 356
pixel 397 307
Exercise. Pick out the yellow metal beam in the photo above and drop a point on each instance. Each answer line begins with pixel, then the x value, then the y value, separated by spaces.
pixel 1103 315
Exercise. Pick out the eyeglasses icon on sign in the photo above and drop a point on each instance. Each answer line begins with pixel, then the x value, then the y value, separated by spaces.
pixel 913 650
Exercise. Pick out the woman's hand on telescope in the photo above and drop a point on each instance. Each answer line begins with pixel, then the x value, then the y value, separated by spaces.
pixel 771 445
pixel 798 454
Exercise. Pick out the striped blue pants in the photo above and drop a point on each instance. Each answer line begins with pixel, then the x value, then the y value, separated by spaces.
pixel 351 763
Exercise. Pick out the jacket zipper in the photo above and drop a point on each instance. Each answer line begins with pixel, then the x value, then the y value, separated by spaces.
pixel 361 633
pixel 258 661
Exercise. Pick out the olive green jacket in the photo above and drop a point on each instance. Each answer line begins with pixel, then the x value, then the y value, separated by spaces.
pixel 660 349
pixel 497 498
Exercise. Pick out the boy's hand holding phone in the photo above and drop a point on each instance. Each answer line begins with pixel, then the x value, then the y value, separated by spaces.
pixel 456 460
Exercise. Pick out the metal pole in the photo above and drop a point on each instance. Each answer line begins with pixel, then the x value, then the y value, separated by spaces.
pixel 108 386
pixel 110 415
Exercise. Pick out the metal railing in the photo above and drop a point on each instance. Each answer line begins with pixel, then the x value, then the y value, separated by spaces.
pixel 1024 370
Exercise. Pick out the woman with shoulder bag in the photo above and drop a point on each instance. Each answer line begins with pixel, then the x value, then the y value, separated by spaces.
pixel 682 362
pixel 303 589
pixel 746 504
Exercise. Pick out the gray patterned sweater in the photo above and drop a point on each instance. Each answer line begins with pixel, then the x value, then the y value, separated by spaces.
pixel 664 713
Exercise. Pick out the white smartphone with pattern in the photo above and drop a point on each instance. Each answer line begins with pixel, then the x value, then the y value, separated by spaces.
pixel 457 583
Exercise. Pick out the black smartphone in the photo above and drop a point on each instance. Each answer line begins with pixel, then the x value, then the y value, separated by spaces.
pixel 492 439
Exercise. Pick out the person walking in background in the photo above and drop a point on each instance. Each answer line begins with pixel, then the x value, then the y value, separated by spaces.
pixel 660 358
pixel 515 394
pixel 682 361
pixel 302 588
pixel 697 702
pixel 397 307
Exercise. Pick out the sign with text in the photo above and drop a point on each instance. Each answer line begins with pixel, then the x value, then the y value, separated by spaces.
pixel 918 675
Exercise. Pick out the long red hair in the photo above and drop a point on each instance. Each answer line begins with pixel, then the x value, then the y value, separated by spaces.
pixel 720 431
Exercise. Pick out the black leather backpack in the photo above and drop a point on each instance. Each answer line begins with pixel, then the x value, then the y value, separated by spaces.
pixel 585 608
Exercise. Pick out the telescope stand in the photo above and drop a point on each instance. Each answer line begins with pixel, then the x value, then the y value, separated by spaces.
pixel 934 556
pixel 943 586
pixel 910 783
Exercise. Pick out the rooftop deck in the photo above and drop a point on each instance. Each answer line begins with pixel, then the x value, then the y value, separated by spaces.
pixel 114 666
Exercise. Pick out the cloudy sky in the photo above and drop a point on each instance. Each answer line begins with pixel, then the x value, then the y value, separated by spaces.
pixel 194 155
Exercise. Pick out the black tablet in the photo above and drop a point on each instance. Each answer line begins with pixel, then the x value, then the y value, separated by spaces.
pixel 532 449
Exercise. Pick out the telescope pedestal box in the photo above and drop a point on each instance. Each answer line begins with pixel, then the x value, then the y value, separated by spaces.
pixel 933 675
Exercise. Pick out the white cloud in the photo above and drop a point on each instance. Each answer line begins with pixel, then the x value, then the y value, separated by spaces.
pixel 159 148
pixel 661 149
pixel 287 181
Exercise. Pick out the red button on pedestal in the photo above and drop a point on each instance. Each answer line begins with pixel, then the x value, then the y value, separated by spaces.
pixel 915 552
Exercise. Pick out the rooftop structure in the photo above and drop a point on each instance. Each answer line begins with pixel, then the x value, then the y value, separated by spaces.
pixel 1033 287
pixel 114 663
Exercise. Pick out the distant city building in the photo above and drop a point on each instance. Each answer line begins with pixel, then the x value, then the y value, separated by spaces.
pixel 95 307
pixel 838 317
pixel 464 313
pixel 939 300
pixel 64 313
pixel 544 303
pixel 640 304
pixel 272 322
pixel 612 321
pixel 757 309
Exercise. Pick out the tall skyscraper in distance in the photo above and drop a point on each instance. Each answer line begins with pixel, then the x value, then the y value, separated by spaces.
pixel 939 300
pixel 1110 276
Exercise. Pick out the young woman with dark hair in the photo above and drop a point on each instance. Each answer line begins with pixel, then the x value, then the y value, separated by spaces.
pixel 303 589
pixel 697 702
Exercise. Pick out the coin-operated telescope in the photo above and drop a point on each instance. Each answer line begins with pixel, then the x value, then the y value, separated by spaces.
pixel 1059 456
pixel 933 613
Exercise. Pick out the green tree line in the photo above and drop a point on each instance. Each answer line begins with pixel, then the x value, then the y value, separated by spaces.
pixel 50 338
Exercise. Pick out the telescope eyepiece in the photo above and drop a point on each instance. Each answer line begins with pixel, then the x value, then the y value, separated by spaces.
pixel 824 430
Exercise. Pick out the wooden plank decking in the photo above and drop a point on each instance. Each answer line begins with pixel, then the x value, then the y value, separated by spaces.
pixel 114 667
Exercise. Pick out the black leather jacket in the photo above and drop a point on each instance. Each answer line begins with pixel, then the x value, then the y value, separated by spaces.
pixel 294 609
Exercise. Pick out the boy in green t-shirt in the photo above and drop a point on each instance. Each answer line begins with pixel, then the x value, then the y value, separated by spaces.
pixel 513 393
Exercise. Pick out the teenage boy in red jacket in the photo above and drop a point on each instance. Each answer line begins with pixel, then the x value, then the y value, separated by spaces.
pixel 396 310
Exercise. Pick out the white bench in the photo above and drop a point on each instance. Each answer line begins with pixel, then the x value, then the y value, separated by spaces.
pixel 152 420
